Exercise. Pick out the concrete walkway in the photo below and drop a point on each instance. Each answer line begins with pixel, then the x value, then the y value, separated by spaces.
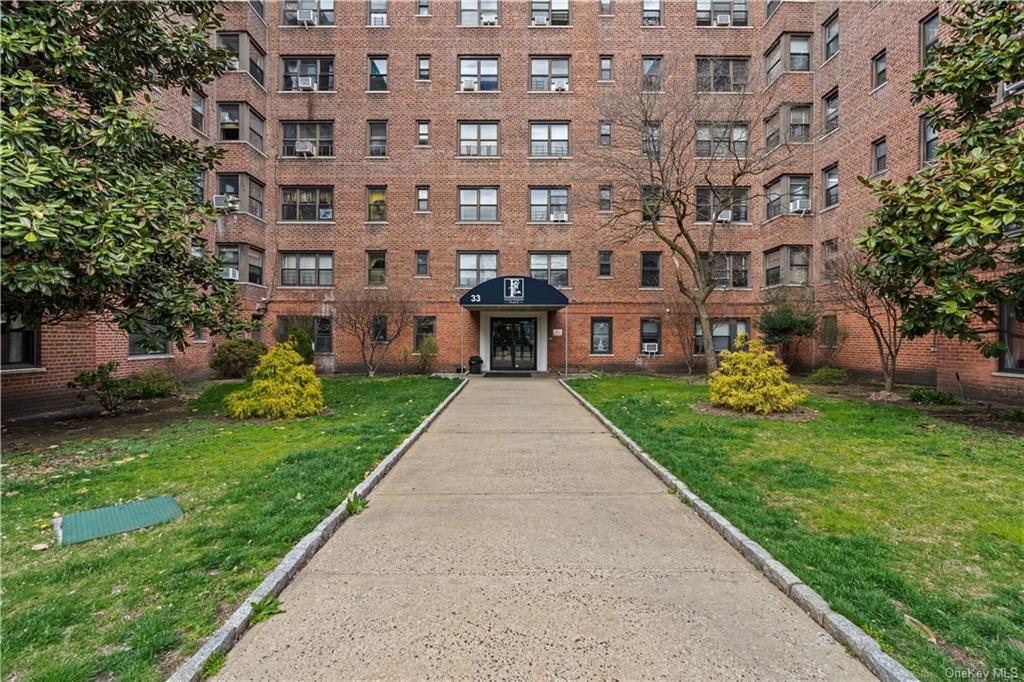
pixel 519 540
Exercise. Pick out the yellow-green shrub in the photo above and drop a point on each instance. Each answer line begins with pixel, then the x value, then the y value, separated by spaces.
pixel 753 380
pixel 283 387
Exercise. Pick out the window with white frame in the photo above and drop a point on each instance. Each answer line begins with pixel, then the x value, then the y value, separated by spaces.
pixel 307 269
pixel 478 74
pixel 553 268
pixel 478 12
pixel 476 267
pixel 377 13
pixel 549 74
pixel 549 204
pixel 422 198
pixel 787 265
pixel 422 133
pixel 308 12
pixel 478 138
pixel 722 13
pixel 549 138
pixel 549 12
pixel 722 140
pixel 478 204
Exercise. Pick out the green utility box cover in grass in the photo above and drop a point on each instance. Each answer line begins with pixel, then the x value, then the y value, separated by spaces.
pixel 97 523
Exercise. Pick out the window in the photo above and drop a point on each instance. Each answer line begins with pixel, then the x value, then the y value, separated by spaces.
pixel 308 73
pixel 828 331
pixel 831 29
pixel 724 204
pixel 1011 333
pixel 549 138
pixel 652 13
pixel 229 255
pixel 229 42
pixel 879 149
pixel 228 121
pixel 317 12
pixel 376 268
pixel 722 140
pixel 255 266
pixel 730 270
pixel 650 203
pixel 929 141
pixel 20 345
pixel 724 74
pixel 650 269
pixel 789 194
pixel 549 74
pixel 378 74
pixel 423 8
pixel 380 329
pixel 378 13
pixel 789 53
pixel 600 335
pixel 242 192
pixel 830 176
pixel 230 186
pixel 604 133
pixel 789 265
pixel 256 190
pixel 422 264
pixel 553 268
pixel 423 67
pixel 549 204
pixel 878 73
pixel 307 269
pixel 723 335
pixel 312 204
pixel 650 145
pixel 604 7
pixel 423 198
pixel 199 111
pixel 142 345
pixel 773 62
pixel 721 12
pixel 831 111
pixel 478 12
pixel 650 333
pixel 377 203
pixel 423 133
pixel 478 204
pixel 257 62
pixel 378 138
pixel 258 7
pixel 478 138
pixel 830 259
pixel 318 136
pixel 424 327
pixel 199 190
pixel 604 198
pixel 772 137
pixel 477 267
pixel 605 68
pixel 604 263
pixel 799 123
pixel 549 12
pixel 772 6
pixel 256 124
pixel 650 75
pixel 929 36
pixel 323 341
pixel 799 53
pixel 478 73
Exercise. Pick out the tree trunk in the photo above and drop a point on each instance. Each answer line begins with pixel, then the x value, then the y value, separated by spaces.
pixel 889 373
pixel 710 359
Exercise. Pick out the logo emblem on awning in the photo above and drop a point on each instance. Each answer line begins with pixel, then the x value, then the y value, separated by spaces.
pixel 515 291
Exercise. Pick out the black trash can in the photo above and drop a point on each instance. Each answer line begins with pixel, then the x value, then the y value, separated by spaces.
pixel 476 364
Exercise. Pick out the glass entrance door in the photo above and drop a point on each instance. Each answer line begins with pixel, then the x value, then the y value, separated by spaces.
pixel 513 343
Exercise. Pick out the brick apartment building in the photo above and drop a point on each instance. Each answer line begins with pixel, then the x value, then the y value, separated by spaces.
pixel 432 145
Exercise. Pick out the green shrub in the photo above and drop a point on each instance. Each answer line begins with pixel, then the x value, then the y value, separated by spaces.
pixel 101 382
pixel 153 383
pixel 753 380
pixel 1015 415
pixel 302 342
pixel 427 353
pixel 283 387
pixel 927 394
pixel 237 357
pixel 828 376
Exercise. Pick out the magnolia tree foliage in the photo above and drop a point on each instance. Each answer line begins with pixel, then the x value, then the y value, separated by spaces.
pixel 947 244
pixel 99 209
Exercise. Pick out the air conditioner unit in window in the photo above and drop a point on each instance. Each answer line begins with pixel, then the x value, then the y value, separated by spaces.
pixel 650 348
pixel 469 85
pixel 225 201
pixel 467 150
pixel 307 83
pixel 723 20
pixel 305 148
pixel 488 19
pixel 800 206
pixel 560 217
pixel 229 273
pixel 725 216
pixel 540 21
pixel 1014 88
pixel 306 17
pixel 560 86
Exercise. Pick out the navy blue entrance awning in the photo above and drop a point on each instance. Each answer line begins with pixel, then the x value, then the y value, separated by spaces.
pixel 514 292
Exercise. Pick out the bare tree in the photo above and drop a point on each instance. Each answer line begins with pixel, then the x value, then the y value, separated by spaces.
pixel 661 154
pixel 375 318
pixel 855 287
pixel 679 316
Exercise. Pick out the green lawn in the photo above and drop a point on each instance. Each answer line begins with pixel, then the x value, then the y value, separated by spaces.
pixel 886 512
pixel 134 605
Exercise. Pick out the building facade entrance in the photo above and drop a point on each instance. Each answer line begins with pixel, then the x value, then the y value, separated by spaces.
pixel 513 343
